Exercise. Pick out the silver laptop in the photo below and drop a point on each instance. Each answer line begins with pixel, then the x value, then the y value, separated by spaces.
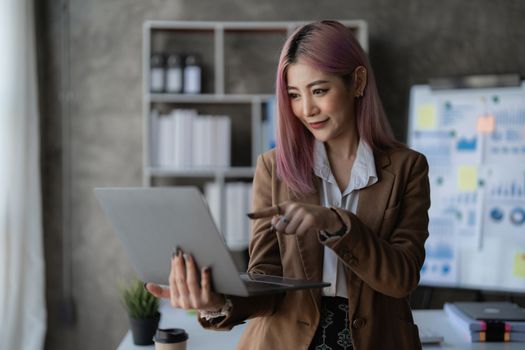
pixel 492 310
pixel 152 222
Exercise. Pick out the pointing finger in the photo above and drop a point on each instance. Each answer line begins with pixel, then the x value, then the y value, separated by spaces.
pixel 265 213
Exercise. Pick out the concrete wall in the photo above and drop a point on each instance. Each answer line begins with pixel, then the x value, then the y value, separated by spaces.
pixel 410 41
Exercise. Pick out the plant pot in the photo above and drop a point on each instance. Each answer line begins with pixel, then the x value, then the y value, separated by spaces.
pixel 143 329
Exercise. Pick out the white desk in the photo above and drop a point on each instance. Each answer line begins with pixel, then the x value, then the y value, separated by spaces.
pixel 201 339
pixel 198 337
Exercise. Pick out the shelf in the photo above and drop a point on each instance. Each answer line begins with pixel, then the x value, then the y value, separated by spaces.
pixel 247 172
pixel 359 27
pixel 206 98
pixel 233 25
pixel 229 85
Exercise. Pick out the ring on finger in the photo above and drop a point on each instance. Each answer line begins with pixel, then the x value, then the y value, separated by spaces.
pixel 284 220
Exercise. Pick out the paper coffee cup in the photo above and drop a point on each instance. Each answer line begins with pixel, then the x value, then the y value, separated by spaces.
pixel 170 339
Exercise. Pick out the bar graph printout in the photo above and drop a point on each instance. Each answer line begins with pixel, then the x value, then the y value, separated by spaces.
pixel 474 140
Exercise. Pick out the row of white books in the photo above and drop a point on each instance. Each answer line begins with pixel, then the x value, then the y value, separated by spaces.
pixel 232 220
pixel 183 139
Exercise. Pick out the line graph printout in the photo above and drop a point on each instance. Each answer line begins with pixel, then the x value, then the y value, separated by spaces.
pixel 441 263
pixel 474 140
pixel 504 220
pixel 504 209
pixel 507 141
pixel 456 199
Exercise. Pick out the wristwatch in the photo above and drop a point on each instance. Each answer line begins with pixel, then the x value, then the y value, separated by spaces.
pixel 223 312
pixel 339 232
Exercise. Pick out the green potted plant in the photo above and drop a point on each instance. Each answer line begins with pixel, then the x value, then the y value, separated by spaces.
pixel 143 312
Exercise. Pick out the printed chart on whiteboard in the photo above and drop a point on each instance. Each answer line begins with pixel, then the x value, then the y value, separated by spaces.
pixel 474 140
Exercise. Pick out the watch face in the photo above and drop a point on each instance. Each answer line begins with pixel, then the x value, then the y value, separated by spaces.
pixel 341 231
pixel 343 228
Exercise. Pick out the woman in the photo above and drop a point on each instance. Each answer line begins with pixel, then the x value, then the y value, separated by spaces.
pixel 338 200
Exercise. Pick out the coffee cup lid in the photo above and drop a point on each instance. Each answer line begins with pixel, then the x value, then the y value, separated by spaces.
pixel 170 335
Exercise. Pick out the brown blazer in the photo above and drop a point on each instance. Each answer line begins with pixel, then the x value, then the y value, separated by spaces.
pixel 383 254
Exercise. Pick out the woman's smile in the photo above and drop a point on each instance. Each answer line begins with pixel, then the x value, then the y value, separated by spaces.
pixel 319 124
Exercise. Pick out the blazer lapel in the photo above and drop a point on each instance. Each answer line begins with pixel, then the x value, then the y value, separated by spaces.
pixel 372 203
pixel 373 200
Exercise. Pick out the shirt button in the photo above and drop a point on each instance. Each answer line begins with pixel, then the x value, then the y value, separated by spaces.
pixel 358 323
pixel 346 255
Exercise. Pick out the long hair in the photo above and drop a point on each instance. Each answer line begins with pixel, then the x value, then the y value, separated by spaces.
pixel 330 47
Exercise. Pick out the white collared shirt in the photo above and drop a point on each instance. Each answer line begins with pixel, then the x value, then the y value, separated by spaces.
pixel 363 174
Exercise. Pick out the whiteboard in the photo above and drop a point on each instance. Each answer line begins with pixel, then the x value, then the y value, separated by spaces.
pixel 474 140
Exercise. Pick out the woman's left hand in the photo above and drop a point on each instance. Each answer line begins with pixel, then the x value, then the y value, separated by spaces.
pixel 297 218
pixel 184 290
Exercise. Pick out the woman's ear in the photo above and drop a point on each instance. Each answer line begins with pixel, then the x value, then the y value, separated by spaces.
pixel 360 75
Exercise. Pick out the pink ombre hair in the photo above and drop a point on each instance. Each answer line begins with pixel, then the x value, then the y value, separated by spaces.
pixel 328 46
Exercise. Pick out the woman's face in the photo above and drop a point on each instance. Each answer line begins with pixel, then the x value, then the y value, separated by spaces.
pixel 321 101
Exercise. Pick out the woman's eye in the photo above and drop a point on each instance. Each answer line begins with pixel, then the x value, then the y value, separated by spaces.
pixel 320 91
pixel 293 96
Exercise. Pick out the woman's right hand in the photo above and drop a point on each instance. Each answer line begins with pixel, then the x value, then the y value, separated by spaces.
pixel 184 290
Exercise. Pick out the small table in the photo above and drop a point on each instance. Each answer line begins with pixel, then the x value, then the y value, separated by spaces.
pixel 201 339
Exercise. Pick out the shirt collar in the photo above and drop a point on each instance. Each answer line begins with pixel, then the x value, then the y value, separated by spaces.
pixel 363 172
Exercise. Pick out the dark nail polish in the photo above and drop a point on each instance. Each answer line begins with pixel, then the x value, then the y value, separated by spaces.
pixel 179 251
pixel 250 215
pixel 144 285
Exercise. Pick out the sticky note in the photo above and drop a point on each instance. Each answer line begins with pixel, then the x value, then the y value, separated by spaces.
pixel 467 178
pixel 486 124
pixel 426 116
pixel 518 268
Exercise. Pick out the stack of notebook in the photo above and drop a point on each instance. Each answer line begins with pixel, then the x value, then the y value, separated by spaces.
pixel 488 321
